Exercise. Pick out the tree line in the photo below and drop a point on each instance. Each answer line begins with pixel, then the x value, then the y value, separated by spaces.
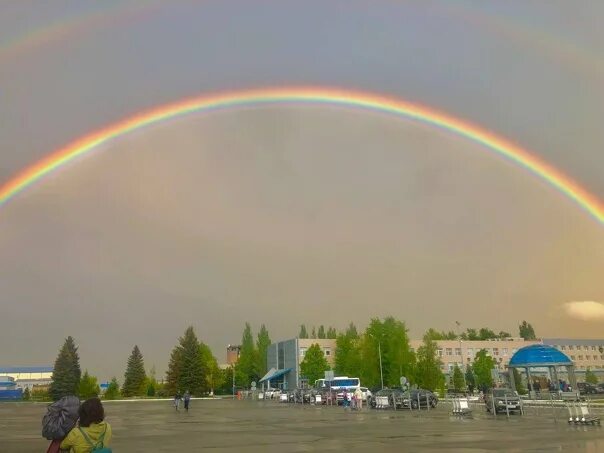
pixel 193 367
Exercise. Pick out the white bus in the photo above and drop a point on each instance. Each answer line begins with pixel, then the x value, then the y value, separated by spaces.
pixel 339 383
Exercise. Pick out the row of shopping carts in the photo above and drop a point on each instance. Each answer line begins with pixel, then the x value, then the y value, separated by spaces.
pixel 580 414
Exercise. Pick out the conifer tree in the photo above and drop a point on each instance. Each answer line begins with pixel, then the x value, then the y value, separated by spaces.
pixel 135 377
pixel 66 373
pixel 191 376
pixel 113 390
pixel 173 373
pixel 88 386
pixel 263 341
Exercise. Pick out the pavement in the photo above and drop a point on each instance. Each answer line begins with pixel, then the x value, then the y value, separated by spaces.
pixel 267 426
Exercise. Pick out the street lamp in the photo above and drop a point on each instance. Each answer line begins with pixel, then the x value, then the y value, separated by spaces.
pixel 380 355
pixel 463 367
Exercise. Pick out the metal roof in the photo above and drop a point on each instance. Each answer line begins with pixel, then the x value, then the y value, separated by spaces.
pixel 539 355
pixel 274 374
pixel 26 369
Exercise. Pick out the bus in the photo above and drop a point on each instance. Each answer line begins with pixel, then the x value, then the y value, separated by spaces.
pixel 339 383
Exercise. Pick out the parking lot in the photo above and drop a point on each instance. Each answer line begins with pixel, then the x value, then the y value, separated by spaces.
pixel 226 425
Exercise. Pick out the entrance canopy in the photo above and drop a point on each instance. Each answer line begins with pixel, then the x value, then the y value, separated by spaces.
pixel 273 373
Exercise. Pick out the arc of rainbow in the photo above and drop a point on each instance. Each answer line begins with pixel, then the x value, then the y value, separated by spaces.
pixel 301 95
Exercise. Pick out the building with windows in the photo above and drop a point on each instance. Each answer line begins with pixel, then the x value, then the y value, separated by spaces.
pixel 232 354
pixel 585 354
pixel 284 357
pixel 29 376
pixel 462 352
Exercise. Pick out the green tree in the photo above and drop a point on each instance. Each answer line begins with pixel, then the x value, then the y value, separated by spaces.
pixel 482 366
pixel 518 382
pixel 502 334
pixel 436 335
pixel 113 390
pixel 314 365
pixel 246 370
pixel 331 333
pixel 213 375
pixel 470 379
pixel 590 377
pixel 486 334
pixel 191 376
pixel 458 379
pixel 526 331
pixel 348 353
pixel 135 378
pixel 66 373
pixel 428 374
pixel 263 341
pixel 321 332
pixel 303 333
pixel 88 386
pixel 174 369
pixel 313 335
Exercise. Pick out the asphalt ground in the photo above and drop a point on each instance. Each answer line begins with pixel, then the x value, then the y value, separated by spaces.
pixel 229 426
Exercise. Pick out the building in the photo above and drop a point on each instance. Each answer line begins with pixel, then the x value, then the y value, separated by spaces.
pixel 9 389
pixel 29 376
pixel 232 354
pixel 284 357
pixel 462 352
pixel 585 354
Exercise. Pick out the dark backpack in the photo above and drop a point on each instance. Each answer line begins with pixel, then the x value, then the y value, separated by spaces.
pixel 98 447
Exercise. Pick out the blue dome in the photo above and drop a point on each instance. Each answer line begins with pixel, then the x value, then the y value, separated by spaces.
pixel 539 355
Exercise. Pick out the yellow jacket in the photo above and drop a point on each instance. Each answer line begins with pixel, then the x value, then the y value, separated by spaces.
pixel 76 443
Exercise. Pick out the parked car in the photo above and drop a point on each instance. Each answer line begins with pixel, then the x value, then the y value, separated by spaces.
pixel 366 394
pixel 585 388
pixel 392 398
pixel 600 388
pixel 498 398
pixel 418 398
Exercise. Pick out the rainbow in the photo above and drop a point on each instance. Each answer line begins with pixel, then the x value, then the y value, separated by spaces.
pixel 305 95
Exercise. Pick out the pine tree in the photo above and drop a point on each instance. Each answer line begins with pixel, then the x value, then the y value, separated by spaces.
pixel 191 371
pixel 174 369
pixel 66 373
pixel 135 377
pixel 331 333
pixel 526 331
pixel 263 341
pixel 321 332
pixel 113 390
pixel 313 335
pixel 88 386
pixel 470 379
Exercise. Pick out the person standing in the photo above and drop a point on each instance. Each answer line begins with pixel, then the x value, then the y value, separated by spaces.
pixel 177 400
pixel 358 394
pixel 92 433
pixel 187 399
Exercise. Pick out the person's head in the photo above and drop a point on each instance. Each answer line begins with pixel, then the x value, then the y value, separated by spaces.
pixel 91 411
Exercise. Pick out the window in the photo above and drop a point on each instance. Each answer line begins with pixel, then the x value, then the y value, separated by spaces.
pixel 505 351
pixel 570 347
pixel 439 351
pixel 495 351
pixel 595 357
pixel 449 351
pixel 586 348
pixel 580 357
pixel 593 348
pixel 302 352
pixel 457 351
pixel 327 352
pixel 563 348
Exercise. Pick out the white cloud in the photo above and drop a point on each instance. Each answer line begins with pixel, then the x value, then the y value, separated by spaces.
pixel 585 310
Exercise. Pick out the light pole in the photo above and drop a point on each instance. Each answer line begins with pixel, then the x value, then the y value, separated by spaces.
pixel 463 367
pixel 380 356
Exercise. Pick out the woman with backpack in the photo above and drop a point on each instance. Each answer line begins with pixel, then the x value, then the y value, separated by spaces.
pixel 93 433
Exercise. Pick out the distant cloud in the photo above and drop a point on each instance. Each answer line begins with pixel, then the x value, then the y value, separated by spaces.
pixel 585 310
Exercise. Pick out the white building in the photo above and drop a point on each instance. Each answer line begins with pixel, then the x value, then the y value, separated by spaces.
pixel 29 376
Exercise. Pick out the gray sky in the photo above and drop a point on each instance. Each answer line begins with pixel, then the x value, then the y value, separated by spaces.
pixel 297 214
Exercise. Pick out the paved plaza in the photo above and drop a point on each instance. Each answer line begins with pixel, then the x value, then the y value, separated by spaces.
pixel 229 426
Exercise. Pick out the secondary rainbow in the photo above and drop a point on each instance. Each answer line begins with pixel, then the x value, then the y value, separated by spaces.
pixel 314 96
